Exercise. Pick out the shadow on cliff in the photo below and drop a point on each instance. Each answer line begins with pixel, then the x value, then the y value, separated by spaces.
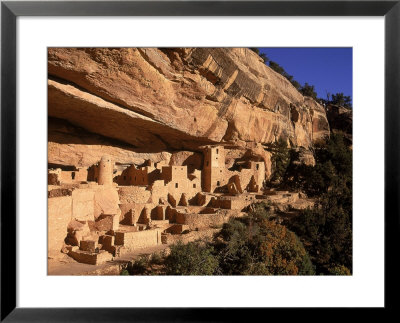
pixel 63 132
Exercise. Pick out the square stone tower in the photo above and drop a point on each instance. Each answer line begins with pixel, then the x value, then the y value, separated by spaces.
pixel 213 168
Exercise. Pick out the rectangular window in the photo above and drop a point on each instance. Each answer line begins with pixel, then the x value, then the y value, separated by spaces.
pixel 176 185
pixel 194 185
pixel 217 183
pixel 217 150
pixel 257 166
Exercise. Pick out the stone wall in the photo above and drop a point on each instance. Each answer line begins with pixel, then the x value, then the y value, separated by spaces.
pixel 139 239
pixel 58 216
pixel 198 221
pixel 134 194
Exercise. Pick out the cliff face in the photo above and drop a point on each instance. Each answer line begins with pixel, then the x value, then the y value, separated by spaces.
pixel 141 102
pixel 341 120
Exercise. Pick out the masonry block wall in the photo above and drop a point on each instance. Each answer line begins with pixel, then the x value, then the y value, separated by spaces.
pixel 59 215
pixel 139 239
pixel 214 168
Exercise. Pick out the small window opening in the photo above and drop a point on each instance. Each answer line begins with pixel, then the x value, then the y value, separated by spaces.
pixel 194 185
pixel 257 166
pixel 176 185
pixel 218 183
pixel 73 175
pixel 217 150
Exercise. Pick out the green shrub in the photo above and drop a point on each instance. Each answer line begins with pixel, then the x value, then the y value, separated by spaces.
pixel 157 258
pixel 339 270
pixel 193 258
pixel 256 245
pixel 139 266
pixel 124 272
pixel 280 159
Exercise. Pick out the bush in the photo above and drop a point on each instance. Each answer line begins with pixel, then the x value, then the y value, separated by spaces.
pixel 193 258
pixel 327 231
pixel 308 90
pixel 339 270
pixel 124 272
pixel 280 159
pixel 256 245
pixel 139 266
pixel 342 100
pixel 157 258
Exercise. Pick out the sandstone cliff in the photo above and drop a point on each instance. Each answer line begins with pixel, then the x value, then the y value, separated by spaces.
pixel 136 103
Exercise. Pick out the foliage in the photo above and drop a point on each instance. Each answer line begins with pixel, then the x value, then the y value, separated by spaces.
pixel 341 99
pixel 262 55
pixel 157 258
pixel 251 245
pixel 264 58
pixel 339 270
pixel 255 50
pixel 193 258
pixel 333 168
pixel 257 245
pixel 296 84
pixel 145 264
pixel 279 69
pixel 139 266
pixel 326 229
pixel 280 159
pixel 308 90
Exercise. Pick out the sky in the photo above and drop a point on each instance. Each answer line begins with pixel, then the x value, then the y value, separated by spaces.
pixel 329 69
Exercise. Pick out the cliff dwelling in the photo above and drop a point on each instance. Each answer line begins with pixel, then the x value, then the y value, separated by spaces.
pixel 100 212
pixel 150 146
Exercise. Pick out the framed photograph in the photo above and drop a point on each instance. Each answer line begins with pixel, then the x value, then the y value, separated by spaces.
pixel 162 158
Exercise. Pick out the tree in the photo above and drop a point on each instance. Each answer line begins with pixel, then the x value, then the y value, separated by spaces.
pixel 308 90
pixel 280 159
pixel 328 96
pixel 347 102
pixel 342 100
pixel 276 67
pixel 338 99
pixel 339 270
pixel 257 245
pixel 255 50
pixel 296 84
pixel 264 57
pixel 326 229
pixel 193 258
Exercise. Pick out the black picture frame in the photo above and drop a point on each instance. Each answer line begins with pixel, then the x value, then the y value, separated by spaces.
pixel 10 10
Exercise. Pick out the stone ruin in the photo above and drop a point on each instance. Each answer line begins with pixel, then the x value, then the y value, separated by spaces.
pixel 99 213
